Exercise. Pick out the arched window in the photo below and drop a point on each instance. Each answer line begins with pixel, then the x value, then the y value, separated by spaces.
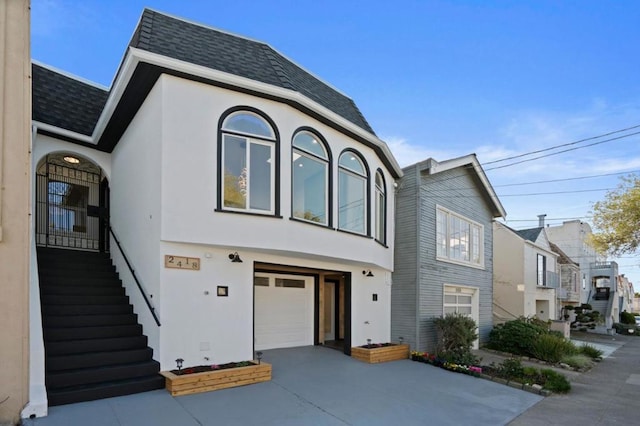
pixel 381 208
pixel 247 156
pixel 353 202
pixel 310 167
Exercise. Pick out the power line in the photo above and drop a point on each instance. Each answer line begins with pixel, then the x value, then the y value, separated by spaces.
pixel 556 192
pixel 566 179
pixel 563 145
pixel 563 151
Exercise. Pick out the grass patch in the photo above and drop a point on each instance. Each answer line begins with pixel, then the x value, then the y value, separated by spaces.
pixel 590 351
pixel 580 361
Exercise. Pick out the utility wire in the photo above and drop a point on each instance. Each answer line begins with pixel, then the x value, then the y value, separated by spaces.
pixel 556 192
pixel 563 145
pixel 567 179
pixel 563 151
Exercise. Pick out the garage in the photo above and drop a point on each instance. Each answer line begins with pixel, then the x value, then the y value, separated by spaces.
pixel 284 311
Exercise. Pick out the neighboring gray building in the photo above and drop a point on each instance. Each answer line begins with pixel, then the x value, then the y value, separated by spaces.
pixel 444 248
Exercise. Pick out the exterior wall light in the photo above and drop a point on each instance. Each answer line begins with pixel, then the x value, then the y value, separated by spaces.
pixel 179 362
pixel 71 160
pixel 367 273
pixel 235 258
pixel 259 356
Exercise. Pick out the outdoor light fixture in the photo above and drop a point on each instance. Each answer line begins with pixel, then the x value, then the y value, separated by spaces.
pixel 235 258
pixel 401 339
pixel 179 362
pixel 367 273
pixel 259 356
pixel 70 159
pixel 369 343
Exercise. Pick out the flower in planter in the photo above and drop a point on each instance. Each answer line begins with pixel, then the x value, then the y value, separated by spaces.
pixel 215 367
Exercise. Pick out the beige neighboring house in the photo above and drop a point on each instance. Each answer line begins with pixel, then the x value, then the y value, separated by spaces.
pixel 525 274
pixel 15 201
pixel 626 294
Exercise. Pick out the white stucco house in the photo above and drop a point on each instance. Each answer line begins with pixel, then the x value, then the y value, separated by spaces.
pixel 525 274
pixel 253 200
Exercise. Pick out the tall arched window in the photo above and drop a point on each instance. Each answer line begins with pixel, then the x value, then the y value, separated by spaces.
pixel 247 164
pixel 381 208
pixel 353 201
pixel 310 174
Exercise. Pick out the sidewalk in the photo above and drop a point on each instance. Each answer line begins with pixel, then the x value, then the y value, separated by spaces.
pixel 605 395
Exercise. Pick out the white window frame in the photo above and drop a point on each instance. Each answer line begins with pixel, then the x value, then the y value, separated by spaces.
pixel 445 257
pixel 465 290
pixel 343 172
pixel 380 209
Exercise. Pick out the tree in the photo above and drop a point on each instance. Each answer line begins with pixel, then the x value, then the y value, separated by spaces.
pixel 617 219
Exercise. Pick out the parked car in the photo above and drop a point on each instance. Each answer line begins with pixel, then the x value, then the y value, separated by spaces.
pixel 637 317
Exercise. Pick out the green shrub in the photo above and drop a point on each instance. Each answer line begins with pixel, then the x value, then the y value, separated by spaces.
pixel 569 307
pixel 511 368
pixel 517 336
pixel 551 348
pixel 627 318
pixel 590 351
pixel 555 382
pixel 586 306
pixel 456 334
pixel 624 329
pixel 577 361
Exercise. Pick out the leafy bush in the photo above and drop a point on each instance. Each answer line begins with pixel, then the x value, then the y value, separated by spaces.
pixel 569 307
pixel 586 306
pixel 511 368
pixel 555 382
pixel 456 334
pixel 627 318
pixel 551 348
pixel 577 361
pixel 517 336
pixel 624 328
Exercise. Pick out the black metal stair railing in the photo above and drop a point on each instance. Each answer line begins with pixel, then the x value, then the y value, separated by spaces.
pixel 135 278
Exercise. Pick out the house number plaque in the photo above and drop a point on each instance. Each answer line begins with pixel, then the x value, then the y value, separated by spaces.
pixel 182 262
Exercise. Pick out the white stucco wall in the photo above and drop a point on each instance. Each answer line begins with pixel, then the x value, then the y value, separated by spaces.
pixel 197 324
pixel 135 208
pixel 190 123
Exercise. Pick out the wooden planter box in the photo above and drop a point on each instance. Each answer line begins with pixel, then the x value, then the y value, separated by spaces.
pixel 382 354
pixel 214 380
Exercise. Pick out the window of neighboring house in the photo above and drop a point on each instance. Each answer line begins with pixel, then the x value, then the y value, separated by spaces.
pixel 352 193
pixel 458 239
pixel 248 166
pixel 584 281
pixel 542 269
pixel 381 209
pixel 310 173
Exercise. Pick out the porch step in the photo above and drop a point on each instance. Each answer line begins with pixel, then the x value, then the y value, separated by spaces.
pixel 80 333
pixel 64 310
pixel 104 390
pixel 95 347
pixel 87 376
pixel 66 299
pixel 97 359
pixel 83 290
pixel 53 321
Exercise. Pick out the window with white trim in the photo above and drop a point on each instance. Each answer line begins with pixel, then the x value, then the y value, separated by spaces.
pixel 541 268
pixel 381 209
pixel 458 239
pixel 310 174
pixel 248 166
pixel 352 193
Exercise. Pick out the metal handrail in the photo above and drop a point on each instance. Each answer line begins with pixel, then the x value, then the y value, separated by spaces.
pixel 144 294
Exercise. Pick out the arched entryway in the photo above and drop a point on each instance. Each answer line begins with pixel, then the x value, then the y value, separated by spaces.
pixel 72 203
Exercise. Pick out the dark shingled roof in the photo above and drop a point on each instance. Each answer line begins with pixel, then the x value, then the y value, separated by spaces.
pixel 200 45
pixel 530 234
pixel 65 102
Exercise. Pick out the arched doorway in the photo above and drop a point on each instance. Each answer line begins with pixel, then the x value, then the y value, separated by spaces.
pixel 72 203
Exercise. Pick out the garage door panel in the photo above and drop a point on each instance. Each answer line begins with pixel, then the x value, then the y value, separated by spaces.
pixel 283 315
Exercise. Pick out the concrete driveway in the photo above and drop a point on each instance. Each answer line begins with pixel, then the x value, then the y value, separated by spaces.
pixel 316 386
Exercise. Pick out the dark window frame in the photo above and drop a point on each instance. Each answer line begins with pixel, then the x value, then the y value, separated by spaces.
pixel 367 192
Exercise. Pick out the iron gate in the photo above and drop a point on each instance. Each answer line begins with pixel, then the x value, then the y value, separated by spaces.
pixel 68 207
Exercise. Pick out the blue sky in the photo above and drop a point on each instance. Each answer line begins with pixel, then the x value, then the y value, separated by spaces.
pixel 435 79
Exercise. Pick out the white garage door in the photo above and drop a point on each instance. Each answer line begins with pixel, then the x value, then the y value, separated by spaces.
pixel 283 311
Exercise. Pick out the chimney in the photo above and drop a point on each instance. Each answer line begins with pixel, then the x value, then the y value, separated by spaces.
pixel 541 220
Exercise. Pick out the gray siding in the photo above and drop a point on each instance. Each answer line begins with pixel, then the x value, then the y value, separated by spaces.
pixel 459 191
pixel 403 290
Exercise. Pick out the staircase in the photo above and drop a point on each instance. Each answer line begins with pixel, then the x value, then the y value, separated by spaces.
pixel 94 345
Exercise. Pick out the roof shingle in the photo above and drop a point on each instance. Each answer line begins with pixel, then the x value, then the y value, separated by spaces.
pixel 65 102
